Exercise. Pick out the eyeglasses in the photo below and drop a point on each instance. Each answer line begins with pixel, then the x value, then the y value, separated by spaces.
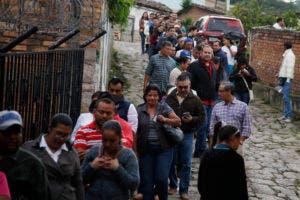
pixel 183 87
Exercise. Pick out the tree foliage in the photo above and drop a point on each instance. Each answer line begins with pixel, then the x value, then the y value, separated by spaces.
pixel 119 11
pixel 186 5
pixel 188 22
pixel 261 13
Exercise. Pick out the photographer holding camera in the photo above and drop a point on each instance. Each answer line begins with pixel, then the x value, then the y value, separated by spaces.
pixel 242 77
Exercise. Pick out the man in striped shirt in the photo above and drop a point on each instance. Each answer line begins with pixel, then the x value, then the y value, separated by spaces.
pixel 91 134
pixel 160 67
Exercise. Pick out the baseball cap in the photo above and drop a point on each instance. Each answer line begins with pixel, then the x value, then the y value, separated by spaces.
pixel 186 40
pixel 9 118
pixel 185 53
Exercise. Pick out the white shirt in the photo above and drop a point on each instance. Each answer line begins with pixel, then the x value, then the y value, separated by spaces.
pixel 132 118
pixel 173 76
pixel 287 65
pixel 56 154
pixel 277 26
pixel 230 58
pixel 83 120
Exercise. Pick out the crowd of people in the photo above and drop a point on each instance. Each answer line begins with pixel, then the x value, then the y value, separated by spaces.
pixel 117 151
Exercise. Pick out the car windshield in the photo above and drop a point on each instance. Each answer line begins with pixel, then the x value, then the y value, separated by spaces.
pixel 224 25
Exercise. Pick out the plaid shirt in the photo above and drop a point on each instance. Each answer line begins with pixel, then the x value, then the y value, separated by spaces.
pixel 159 70
pixel 235 113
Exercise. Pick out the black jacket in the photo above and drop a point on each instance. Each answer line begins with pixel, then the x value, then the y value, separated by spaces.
pixel 65 181
pixel 239 84
pixel 222 176
pixel 191 104
pixel 201 81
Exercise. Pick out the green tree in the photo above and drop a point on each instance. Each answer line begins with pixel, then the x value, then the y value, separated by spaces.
pixel 186 5
pixel 119 11
pixel 261 13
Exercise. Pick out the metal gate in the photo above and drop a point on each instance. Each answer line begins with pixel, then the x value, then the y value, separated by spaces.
pixel 40 84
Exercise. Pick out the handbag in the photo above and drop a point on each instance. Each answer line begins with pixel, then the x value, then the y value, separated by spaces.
pixel 173 135
pixel 251 94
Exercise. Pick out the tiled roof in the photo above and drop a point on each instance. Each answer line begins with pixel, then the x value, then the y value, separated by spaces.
pixel 154 5
pixel 217 11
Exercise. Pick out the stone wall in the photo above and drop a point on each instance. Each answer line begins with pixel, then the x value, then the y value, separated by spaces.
pixel 266 49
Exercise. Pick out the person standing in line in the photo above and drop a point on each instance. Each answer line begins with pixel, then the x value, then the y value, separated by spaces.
pixel 160 67
pixel 60 159
pixel 26 174
pixel 184 61
pixel 203 79
pixel 110 170
pixel 189 108
pixel 217 47
pixel 231 111
pixel 242 77
pixel 231 51
pixel 222 173
pixel 155 154
pixel 286 76
pixel 142 24
pixel 279 23
pixel 86 118
pixel 91 134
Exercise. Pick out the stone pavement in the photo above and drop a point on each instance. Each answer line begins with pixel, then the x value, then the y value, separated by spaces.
pixel 272 153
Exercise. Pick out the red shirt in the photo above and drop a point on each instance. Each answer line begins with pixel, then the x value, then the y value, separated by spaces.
pixel 89 135
pixel 209 68
pixel 4 186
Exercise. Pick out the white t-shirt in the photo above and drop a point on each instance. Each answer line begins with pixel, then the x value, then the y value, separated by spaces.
pixel 83 120
pixel 173 76
pixel 277 26
pixel 230 58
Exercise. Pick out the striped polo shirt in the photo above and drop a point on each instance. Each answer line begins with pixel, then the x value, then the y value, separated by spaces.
pixel 89 135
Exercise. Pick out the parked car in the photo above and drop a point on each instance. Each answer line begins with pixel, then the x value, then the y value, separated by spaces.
pixel 213 27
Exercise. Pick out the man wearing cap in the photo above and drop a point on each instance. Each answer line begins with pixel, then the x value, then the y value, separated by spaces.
pixel 188 46
pixel 25 173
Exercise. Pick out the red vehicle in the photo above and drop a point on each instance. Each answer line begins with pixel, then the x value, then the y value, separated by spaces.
pixel 213 27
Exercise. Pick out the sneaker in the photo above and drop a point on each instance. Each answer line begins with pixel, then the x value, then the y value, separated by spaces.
pixel 281 118
pixel 287 120
pixel 172 191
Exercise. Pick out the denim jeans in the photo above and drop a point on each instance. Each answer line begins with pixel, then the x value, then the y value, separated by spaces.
pixel 143 38
pixel 287 107
pixel 203 130
pixel 155 166
pixel 242 96
pixel 185 149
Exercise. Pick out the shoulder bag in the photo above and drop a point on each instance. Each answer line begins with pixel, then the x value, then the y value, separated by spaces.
pixel 251 94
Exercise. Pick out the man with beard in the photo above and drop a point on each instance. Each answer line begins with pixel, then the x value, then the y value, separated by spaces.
pixel 91 134
pixel 25 173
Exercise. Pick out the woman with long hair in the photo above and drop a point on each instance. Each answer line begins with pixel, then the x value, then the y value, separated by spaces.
pixel 142 23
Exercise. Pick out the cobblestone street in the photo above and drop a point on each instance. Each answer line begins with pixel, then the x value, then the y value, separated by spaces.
pixel 272 153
